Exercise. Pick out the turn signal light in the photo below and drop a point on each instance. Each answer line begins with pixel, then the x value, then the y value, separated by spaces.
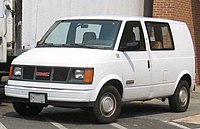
pixel 88 75
pixel 10 72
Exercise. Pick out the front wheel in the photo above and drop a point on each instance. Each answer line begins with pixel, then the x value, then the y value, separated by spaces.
pixel 108 105
pixel 27 109
pixel 179 102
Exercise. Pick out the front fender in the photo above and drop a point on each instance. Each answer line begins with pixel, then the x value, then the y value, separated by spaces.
pixel 103 82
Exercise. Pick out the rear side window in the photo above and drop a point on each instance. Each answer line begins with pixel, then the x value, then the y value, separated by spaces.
pixel 160 36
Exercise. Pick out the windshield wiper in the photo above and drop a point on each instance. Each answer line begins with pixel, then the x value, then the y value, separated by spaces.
pixel 79 45
pixel 66 45
pixel 45 45
pixel 50 45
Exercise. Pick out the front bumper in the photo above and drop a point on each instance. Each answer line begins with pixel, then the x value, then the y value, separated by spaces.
pixel 56 97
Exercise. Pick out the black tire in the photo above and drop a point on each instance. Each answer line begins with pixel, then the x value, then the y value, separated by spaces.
pixel 87 109
pixel 179 102
pixel 107 107
pixel 27 109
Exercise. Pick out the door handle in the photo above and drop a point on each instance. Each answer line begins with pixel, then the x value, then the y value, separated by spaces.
pixel 148 64
pixel 1 41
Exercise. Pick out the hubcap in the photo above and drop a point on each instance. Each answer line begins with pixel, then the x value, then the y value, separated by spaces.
pixel 108 105
pixel 183 96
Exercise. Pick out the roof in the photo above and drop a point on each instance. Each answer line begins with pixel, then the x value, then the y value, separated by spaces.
pixel 120 18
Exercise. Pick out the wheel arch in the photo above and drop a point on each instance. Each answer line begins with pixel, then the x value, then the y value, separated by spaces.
pixel 187 78
pixel 116 81
pixel 185 75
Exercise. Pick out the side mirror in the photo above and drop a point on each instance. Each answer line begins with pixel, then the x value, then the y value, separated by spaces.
pixel 38 43
pixel 8 7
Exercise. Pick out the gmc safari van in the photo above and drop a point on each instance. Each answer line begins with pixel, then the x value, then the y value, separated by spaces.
pixel 98 63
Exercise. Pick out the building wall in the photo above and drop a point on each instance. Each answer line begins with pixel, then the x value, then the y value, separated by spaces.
pixel 164 9
pixel 196 23
pixel 183 10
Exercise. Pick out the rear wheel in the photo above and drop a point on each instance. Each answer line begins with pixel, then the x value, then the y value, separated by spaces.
pixel 179 102
pixel 108 105
pixel 27 109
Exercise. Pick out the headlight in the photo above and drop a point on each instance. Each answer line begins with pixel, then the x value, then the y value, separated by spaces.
pixel 83 75
pixel 79 74
pixel 17 71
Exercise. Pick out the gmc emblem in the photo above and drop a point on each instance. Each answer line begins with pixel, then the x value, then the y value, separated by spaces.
pixel 42 74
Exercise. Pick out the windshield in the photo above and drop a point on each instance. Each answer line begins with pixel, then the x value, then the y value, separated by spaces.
pixel 98 34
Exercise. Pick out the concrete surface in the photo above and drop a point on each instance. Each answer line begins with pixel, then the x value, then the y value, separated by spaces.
pixel 190 119
pixel 197 89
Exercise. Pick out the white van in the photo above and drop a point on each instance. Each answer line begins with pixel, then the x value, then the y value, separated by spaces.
pixel 100 62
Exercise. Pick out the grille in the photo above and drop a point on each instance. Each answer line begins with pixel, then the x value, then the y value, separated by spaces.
pixel 50 74
pixel 43 73
pixel 60 74
pixel 28 72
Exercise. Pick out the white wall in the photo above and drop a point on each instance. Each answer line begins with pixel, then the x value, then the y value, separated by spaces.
pixel 1 8
pixel 39 15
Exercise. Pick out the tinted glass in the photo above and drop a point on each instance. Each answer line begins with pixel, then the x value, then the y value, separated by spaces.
pixel 160 36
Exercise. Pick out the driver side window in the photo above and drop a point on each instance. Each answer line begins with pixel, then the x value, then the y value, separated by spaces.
pixel 132 37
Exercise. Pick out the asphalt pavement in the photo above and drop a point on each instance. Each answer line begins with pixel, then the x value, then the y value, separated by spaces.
pixel 152 114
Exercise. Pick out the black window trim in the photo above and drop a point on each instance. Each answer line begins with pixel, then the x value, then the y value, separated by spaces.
pixel 170 32
pixel 141 28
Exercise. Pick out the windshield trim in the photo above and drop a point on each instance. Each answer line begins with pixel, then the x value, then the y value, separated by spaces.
pixel 91 47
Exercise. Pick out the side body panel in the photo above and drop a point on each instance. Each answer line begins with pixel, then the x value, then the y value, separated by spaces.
pixel 185 52
pixel 167 67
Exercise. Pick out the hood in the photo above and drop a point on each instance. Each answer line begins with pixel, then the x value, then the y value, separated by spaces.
pixel 66 57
